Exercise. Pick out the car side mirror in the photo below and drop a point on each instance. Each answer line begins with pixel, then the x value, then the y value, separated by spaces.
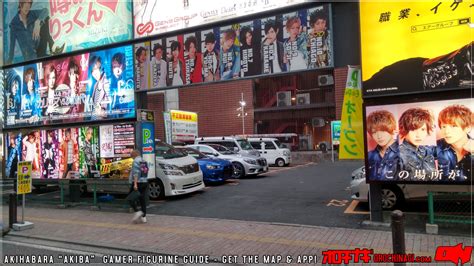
pixel 236 149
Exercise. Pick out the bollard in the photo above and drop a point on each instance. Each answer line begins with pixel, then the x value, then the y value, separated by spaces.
pixel 12 203
pixel 398 233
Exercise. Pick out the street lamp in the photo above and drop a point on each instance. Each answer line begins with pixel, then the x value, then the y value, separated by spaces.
pixel 242 112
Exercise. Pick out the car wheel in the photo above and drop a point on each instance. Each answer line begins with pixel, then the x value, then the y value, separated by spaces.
pixel 239 170
pixel 156 190
pixel 391 197
pixel 280 162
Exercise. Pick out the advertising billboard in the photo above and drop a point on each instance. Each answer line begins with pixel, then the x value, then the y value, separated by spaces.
pixel 160 16
pixel 89 152
pixel 87 87
pixel 56 27
pixel 415 46
pixel 184 126
pixel 300 40
pixel 422 142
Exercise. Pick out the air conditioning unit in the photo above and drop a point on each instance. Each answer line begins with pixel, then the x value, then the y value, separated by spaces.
pixel 302 98
pixel 284 98
pixel 318 122
pixel 325 80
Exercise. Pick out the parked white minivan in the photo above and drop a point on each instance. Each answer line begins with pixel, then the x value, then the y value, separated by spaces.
pixel 237 144
pixel 272 150
pixel 176 173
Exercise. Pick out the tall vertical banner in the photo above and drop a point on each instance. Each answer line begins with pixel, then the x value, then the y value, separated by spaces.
pixel 167 118
pixel 352 131
pixel 146 139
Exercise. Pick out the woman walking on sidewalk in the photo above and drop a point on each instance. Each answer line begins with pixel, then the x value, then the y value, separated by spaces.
pixel 138 180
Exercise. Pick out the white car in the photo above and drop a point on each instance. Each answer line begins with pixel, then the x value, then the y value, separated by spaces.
pixel 272 150
pixel 394 195
pixel 237 144
pixel 243 164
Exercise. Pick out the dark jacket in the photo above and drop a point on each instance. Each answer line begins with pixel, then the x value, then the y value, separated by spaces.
pixel 413 160
pixel 386 167
pixel 448 162
pixel 280 54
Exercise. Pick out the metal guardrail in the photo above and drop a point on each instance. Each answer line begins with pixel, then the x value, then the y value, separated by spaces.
pixel 450 207
pixel 71 193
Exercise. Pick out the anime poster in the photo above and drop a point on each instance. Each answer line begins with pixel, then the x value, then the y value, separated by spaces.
pixel 68 153
pixel 295 40
pixel 230 52
pixel 210 58
pixel 31 151
pixel 14 154
pixel 158 65
pixel 419 46
pixel 160 16
pixel 142 63
pixel 250 40
pixel 192 58
pixel 89 152
pixel 319 37
pixel 50 154
pixel 14 85
pixel 420 142
pixel 175 55
pixel 56 27
pixel 272 49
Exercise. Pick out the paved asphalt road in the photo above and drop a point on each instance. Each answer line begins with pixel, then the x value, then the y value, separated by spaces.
pixel 296 195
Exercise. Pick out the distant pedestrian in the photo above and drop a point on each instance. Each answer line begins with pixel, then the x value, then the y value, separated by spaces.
pixel 138 180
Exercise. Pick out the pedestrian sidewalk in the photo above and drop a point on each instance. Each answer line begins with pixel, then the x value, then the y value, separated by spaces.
pixel 175 235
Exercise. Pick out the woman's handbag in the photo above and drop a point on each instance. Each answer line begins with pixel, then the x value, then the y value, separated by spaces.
pixel 133 196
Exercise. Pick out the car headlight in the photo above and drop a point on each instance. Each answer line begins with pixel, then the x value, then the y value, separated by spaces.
pixel 172 172
pixel 250 161
pixel 286 153
pixel 212 166
pixel 168 166
pixel 359 175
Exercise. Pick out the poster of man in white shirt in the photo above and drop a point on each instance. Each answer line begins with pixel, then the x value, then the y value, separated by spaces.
pixel 158 64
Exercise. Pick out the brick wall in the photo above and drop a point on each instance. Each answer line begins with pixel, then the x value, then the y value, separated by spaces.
pixel 216 106
pixel 156 102
pixel 340 78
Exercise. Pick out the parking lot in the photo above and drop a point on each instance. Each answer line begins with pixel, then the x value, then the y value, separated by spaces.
pixel 309 194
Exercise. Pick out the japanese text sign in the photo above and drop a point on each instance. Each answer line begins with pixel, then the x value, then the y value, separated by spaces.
pixel 24 178
pixel 352 137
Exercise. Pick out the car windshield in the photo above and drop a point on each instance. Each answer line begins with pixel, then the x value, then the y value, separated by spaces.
pixel 195 153
pixel 167 151
pixel 279 144
pixel 221 149
pixel 244 144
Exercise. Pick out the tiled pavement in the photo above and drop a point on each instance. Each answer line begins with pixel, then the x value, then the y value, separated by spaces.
pixel 214 237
